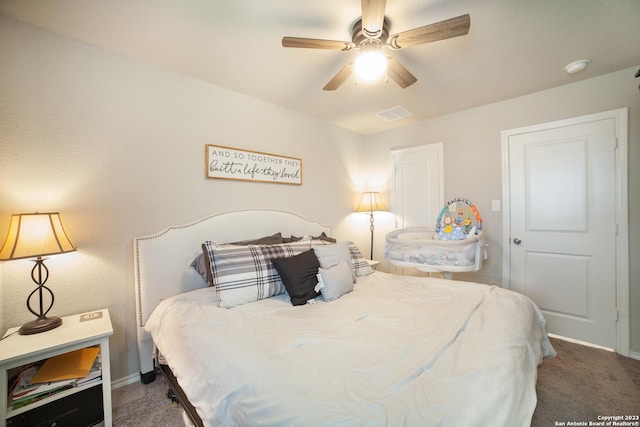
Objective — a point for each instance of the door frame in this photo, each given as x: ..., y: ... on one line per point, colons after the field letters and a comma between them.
x: 620, y: 117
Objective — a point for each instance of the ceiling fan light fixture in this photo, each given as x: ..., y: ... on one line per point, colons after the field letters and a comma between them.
x: 369, y: 34
x: 370, y: 66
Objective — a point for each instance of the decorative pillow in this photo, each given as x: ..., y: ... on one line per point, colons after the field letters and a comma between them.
x: 323, y: 236
x: 242, y: 274
x: 335, y: 281
x: 299, y: 275
x: 274, y: 239
x: 200, y: 263
x: 330, y: 255
x: 359, y: 264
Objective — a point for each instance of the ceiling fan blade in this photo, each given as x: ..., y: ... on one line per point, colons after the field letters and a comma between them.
x: 340, y: 78
x: 454, y: 27
x: 372, y: 17
x: 399, y: 74
x: 316, y: 43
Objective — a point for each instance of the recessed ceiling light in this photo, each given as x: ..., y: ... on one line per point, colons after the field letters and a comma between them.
x: 576, y: 66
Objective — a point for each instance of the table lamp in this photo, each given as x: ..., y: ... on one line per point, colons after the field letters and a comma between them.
x: 37, y: 235
x: 371, y: 201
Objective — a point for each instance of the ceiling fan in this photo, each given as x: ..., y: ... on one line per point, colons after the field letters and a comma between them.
x: 370, y: 34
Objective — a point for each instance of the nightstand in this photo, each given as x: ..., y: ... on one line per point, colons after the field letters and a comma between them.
x: 373, y: 264
x: 76, y: 332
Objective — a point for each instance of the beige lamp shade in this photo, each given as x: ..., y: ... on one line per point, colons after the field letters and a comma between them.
x: 371, y: 202
x: 35, y: 234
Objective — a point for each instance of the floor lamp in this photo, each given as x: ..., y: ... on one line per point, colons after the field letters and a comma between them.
x: 371, y: 202
x: 34, y: 235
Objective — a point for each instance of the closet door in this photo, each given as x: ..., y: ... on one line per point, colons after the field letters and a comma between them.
x: 565, y: 223
x: 418, y: 185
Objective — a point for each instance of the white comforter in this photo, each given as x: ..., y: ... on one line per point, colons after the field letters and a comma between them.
x: 397, y: 351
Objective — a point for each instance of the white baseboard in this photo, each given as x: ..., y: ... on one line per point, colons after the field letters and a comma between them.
x: 125, y: 381
x: 588, y: 344
x: 632, y: 354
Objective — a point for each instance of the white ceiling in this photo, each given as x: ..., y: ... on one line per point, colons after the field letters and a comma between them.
x: 514, y: 47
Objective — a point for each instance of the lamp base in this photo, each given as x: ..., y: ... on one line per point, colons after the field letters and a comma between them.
x: 42, y: 324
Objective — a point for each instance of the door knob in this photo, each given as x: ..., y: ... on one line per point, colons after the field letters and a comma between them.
x: 516, y: 241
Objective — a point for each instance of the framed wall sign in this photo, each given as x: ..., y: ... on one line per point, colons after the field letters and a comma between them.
x: 245, y: 165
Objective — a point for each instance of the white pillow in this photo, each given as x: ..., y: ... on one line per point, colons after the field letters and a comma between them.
x: 330, y: 255
x: 335, y: 281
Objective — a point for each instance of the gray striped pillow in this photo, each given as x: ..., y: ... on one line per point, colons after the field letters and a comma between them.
x: 242, y: 274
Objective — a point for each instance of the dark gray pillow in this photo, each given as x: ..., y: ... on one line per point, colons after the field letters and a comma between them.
x: 299, y: 275
x: 274, y: 239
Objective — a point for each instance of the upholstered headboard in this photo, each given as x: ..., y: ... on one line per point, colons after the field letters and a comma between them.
x: 162, y: 261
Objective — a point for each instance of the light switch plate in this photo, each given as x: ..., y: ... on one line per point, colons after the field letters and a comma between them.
x: 495, y: 205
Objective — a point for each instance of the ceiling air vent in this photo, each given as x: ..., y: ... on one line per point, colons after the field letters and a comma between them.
x: 394, y: 113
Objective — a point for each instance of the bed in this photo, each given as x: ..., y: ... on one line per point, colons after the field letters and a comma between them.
x: 387, y: 350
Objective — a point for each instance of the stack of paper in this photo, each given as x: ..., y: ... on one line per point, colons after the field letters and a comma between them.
x: 67, y: 366
x: 56, y: 374
x: 94, y: 374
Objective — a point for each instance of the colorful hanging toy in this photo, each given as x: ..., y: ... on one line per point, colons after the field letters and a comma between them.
x: 455, y: 223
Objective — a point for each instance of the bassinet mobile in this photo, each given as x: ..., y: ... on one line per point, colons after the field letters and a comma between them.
x: 456, y: 244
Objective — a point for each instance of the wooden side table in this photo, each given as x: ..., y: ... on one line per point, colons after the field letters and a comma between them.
x: 76, y: 332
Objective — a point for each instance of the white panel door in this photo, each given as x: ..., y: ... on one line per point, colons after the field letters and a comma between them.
x: 418, y: 185
x: 563, y: 226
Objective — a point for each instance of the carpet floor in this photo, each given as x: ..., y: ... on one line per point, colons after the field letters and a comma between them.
x: 139, y: 405
x: 579, y: 385
x: 582, y: 383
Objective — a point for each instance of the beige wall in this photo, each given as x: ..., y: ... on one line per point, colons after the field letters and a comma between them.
x: 118, y: 148
x: 473, y: 158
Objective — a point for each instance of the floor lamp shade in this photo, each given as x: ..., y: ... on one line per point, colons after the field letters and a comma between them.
x: 371, y: 202
x: 34, y: 235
